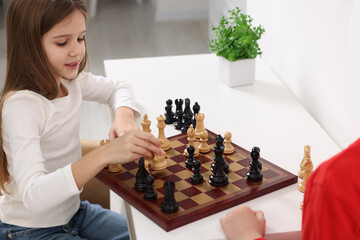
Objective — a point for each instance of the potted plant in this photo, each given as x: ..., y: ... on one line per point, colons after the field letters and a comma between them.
x: 236, y: 44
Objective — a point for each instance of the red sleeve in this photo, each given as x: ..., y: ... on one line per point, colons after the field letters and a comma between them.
x: 260, y: 239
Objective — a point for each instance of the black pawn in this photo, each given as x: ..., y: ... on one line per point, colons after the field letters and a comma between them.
x: 196, y: 178
x: 218, y: 178
x: 220, y: 144
x: 150, y: 194
x: 169, y: 114
x: 141, y: 174
x: 169, y: 205
x: 196, y: 109
x: 178, y: 114
x: 190, y: 160
x: 254, y: 175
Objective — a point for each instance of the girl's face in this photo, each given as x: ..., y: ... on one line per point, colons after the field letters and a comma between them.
x: 64, y: 46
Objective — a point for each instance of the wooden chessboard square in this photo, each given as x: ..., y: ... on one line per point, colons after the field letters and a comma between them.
x: 236, y: 156
x: 185, y: 174
x: 181, y: 149
x: 172, y: 178
x: 242, y: 172
x: 176, y: 168
x: 130, y: 182
x: 233, y: 176
x: 179, y: 158
x: 243, y: 183
x: 235, y: 166
x: 216, y: 193
x: 183, y: 184
x: 131, y: 165
x: 245, y: 162
x: 161, y: 174
x: 179, y: 196
x: 205, y: 186
x: 202, y: 198
x: 206, y: 158
x: 125, y: 176
x: 133, y: 171
x: 175, y: 144
x: 191, y: 191
x: 187, y: 203
x: 230, y: 188
x: 269, y: 174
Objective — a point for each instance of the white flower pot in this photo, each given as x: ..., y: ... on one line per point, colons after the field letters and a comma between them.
x: 239, y: 73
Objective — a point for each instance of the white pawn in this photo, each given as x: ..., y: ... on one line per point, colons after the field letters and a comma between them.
x: 159, y: 162
x: 145, y: 123
x: 229, y: 149
x: 204, y: 147
x: 192, y: 141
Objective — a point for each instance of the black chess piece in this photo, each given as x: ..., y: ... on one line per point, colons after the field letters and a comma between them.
x: 218, y: 178
x: 220, y: 144
x: 196, y: 109
x: 187, y: 109
x: 169, y: 205
x: 196, y: 178
x: 150, y: 194
x: 254, y: 174
x: 186, y: 122
x: 169, y: 114
x: 190, y: 160
x: 178, y: 114
x: 141, y: 174
x: 256, y: 151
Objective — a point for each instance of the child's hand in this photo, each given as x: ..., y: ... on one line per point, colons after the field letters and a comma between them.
x: 242, y: 223
x: 123, y: 123
x: 131, y: 146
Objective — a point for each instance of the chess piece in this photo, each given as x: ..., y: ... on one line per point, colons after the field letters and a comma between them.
x: 190, y: 160
x: 220, y: 144
x: 199, y: 124
x: 218, y: 178
x: 196, y: 178
x: 141, y: 174
x: 229, y: 149
x: 114, y: 168
x: 196, y: 109
x: 169, y: 205
x: 186, y: 122
x: 150, y: 194
x: 304, y: 161
x: 192, y: 141
x: 254, y: 175
x: 178, y: 114
x: 159, y: 162
x: 145, y: 123
x: 169, y: 114
x: 161, y: 125
x: 307, y: 170
x: 187, y: 109
x: 204, y: 147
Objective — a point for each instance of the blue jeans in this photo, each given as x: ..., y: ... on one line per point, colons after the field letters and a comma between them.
x: 91, y: 221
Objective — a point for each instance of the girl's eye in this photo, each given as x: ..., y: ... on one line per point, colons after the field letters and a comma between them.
x: 81, y: 39
x: 61, y: 43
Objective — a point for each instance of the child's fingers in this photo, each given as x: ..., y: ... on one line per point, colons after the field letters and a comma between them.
x: 149, y: 146
x: 149, y: 137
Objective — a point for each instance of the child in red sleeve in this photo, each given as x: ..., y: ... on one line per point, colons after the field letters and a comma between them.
x: 331, y: 203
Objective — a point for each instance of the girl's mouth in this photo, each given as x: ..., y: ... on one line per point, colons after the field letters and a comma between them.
x: 72, y: 65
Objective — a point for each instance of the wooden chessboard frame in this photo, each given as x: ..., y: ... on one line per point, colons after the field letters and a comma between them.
x: 274, y: 178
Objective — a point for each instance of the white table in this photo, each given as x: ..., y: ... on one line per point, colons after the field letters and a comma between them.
x: 265, y: 114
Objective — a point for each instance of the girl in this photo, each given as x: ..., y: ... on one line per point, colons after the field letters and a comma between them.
x: 41, y: 169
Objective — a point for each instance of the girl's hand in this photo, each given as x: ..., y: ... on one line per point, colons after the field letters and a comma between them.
x: 123, y: 123
x: 242, y: 223
x: 131, y: 146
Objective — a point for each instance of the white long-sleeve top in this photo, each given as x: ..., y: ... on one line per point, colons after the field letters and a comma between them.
x: 41, y: 141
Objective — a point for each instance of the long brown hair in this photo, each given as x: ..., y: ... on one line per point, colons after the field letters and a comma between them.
x: 27, y: 67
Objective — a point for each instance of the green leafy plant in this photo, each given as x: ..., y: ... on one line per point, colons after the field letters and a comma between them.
x: 236, y: 38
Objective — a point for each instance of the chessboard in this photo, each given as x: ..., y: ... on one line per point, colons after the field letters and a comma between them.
x: 201, y: 200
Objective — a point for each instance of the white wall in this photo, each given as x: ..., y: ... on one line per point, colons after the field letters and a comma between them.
x: 314, y: 47
x: 178, y: 10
